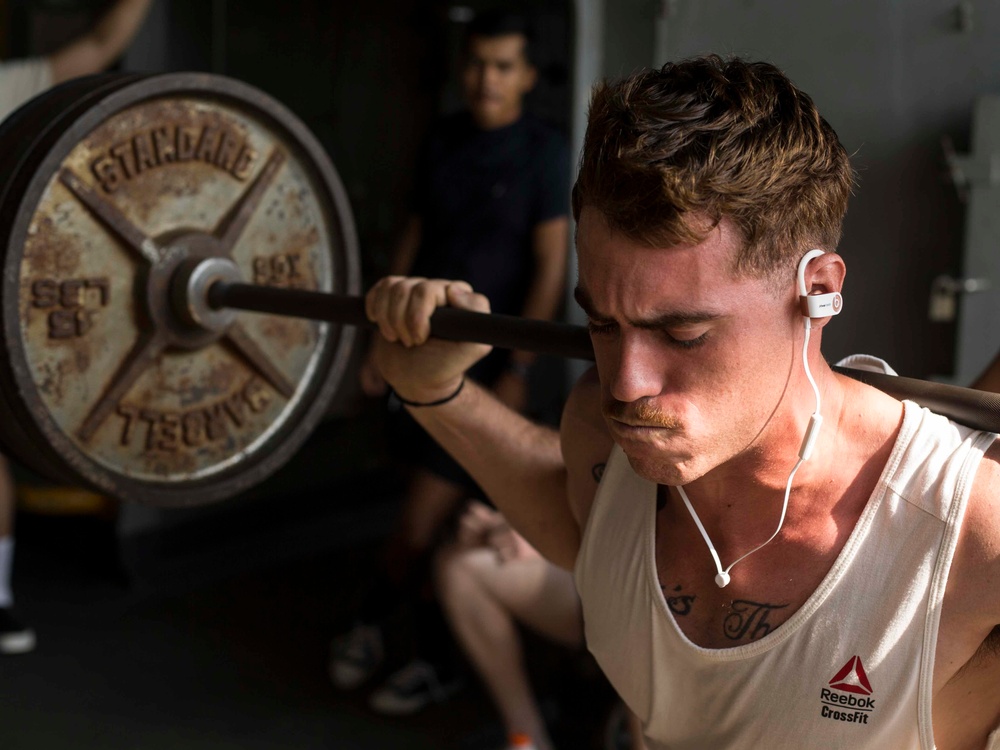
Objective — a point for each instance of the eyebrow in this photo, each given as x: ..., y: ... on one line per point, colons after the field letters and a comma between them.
x: 666, y: 320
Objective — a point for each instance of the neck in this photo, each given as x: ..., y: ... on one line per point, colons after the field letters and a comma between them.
x: 760, y: 471
x: 495, y: 123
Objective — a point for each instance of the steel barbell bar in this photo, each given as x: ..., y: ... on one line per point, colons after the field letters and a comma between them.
x: 220, y: 289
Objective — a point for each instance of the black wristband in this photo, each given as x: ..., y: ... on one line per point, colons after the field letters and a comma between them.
x: 440, y: 401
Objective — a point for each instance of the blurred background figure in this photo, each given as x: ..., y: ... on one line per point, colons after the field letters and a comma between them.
x: 21, y: 80
x: 488, y: 581
x: 491, y: 207
x: 89, y: 53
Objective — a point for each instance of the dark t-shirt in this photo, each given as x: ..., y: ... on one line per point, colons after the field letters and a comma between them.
x: 480, y: 194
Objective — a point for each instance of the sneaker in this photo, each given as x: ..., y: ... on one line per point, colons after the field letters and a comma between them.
x: 15, y: 637
x: 412, y: 688
x: 355, y: 656
x: 519, y: 741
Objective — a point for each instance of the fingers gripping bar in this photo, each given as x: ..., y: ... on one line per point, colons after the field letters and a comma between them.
x: 449, y: 323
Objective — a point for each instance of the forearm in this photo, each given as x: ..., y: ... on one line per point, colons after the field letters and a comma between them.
x: 98, y: 48
x: 548, y: 283
x: 404, y: 254
x: 545, y: 294
x: 518, y: 464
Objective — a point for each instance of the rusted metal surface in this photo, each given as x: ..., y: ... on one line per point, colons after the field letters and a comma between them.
x: 116, y: 387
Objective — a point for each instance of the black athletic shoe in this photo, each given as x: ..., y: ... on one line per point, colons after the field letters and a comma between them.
x: 413, y: 688
x: 15, y: 636
x: 356, y: 656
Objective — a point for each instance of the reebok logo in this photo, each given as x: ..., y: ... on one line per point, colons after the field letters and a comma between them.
x: 852, y: 678
x: 848, y: 697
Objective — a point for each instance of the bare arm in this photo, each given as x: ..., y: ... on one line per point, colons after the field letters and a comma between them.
x: 405, y: 252
x: 98, y: 48
x: 545, y: 294
x: 586, y: 445
x: 517, y: 462
x: 967, y: 659
x: 549, y: 243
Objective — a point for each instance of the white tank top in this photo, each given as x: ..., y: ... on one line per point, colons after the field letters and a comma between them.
x: 851, y: 669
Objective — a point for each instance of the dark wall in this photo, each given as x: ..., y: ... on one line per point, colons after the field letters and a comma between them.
x: 893, y: 79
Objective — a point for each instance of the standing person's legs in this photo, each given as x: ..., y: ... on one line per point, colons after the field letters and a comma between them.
x: 485, y: 593
x: 428, y: 503
x: 15, y: 638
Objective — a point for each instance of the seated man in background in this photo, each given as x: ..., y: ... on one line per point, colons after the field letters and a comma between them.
x: 777, y: 555
x: 489, y: 581
x: 21, y: 80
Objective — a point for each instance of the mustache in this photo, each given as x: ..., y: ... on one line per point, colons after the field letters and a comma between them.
x: 640, y: 413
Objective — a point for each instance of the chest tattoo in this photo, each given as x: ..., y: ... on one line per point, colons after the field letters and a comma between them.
x: 748, y: 619
x: 679, y: 604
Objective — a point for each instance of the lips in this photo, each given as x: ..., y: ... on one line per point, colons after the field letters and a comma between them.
x: 642, y: 431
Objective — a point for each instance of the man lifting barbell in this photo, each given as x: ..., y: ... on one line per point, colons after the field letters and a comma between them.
x: 776, y: 554
x: 129, y: 370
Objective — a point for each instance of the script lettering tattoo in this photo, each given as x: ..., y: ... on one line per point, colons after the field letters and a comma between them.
x: 597, y: 471
x: 750, y: 618
x: 680, y: 605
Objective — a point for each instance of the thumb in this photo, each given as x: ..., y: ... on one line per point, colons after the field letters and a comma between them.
x: 460, y: 294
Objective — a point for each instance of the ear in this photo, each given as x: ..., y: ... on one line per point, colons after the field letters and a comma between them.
x: 530, y: 79
x: 821, y: 276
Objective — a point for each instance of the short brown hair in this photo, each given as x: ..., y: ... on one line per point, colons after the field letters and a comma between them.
x: 720, y: 138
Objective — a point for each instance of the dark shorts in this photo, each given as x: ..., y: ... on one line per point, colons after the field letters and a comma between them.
x: 410, y: 444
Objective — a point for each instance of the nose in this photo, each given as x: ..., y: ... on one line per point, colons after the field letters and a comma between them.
x: 490, y: 75
x: 636, y: 368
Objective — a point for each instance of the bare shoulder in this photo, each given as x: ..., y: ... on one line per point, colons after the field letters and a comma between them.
x: 977, y: 561
x: 586, y: 444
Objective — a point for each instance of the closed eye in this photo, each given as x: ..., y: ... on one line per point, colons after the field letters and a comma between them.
x: 679, y: 338
x: 597, y: 328
x: 687, y: 343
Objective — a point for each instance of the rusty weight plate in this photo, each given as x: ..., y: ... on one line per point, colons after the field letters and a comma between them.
x: 108, y: 385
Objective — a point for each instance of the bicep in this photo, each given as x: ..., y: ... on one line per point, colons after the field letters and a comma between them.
x: 974, y: 581
x: 586, y: 445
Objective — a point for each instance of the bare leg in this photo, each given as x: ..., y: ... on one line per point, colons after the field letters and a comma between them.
x: 428, y: 503
x: 484, y: 597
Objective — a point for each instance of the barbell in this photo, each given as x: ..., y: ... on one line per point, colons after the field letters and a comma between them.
x: 134, y: 212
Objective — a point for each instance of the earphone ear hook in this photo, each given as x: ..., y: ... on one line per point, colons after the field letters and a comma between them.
x: 816, y: 305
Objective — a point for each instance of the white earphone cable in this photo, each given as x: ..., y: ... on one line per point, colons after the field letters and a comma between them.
x: 722, y: 579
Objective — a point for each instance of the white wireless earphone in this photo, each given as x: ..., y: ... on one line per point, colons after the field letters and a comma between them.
x: 816, y: 305
x: 812, y: 306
